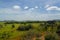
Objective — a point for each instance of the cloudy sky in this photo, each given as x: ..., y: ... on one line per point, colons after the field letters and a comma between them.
x: 22, y: 10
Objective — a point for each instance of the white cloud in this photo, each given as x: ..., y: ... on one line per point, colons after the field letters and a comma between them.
x: 47, y: 6
x: 26, y: 7
x: 16, y: 7
x: 31, y: 9
x: 24, y: 15
x: 36, y: 6
x: 53, y: 8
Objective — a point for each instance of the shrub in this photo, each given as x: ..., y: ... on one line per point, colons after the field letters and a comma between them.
x: 5, y: 36
x: 1, y: 26
x: 13, y: 26
x: 52, y: 36
x: 24, y: 28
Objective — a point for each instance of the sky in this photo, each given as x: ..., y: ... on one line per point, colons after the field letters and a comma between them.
x: 23, y: 10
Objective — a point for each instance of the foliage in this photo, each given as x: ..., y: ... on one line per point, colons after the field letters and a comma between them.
x: 29, y: 30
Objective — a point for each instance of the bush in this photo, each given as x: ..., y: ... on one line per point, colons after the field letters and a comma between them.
x: 13, y: 26
x: 1, y: 26
x: 52, y: 36
x: 29, y: 35
x: 5, y: 35
x: 24, y: 28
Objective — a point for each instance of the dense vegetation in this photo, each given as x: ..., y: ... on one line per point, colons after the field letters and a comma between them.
x: 30, y: 30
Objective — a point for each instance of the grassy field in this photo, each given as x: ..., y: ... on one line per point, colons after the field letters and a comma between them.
x: 30, y: 30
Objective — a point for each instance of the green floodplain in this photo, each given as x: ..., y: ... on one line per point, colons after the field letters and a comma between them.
x: 30, y: 30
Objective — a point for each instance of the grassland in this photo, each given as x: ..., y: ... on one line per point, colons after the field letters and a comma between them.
x: 30, y: 30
